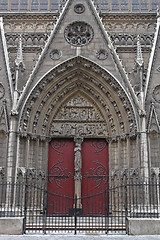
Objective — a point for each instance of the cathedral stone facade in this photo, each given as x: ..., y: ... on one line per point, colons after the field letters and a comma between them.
x: 79, y: 70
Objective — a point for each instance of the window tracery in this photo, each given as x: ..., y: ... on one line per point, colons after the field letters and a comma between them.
x: 78, y: 34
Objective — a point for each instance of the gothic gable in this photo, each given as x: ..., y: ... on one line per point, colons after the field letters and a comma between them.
x: 6, y: 88
x: 78, y: 32
x: 153, y: 124
x: 152, y: 90
x: 4, y: 118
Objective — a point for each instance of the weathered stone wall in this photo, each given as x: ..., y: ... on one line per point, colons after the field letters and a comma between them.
x: 123, y: 30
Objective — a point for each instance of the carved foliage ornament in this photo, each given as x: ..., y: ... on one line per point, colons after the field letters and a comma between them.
x: 102, y: 54
x: 55, y: 54
x: 78, y: 34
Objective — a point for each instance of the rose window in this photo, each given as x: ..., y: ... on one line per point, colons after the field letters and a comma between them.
x: 78, y: 34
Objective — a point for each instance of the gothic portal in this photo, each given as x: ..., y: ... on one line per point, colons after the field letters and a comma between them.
x: 79, y: 92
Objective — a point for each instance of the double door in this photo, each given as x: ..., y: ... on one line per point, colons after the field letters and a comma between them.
x: 92, y: 182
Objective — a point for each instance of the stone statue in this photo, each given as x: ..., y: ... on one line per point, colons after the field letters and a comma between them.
x: 78, y: 161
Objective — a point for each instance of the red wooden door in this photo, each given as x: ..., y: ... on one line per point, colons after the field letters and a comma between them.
x: 95, y: 170
x: 60, y: 176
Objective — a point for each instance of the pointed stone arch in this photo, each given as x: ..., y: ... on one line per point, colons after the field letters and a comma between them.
x: 4, y: 129
x: 78, y: 76
x: 153, y: 137
x: 153, y: 123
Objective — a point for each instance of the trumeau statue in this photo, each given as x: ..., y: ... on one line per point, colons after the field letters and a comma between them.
x: 78, y: 161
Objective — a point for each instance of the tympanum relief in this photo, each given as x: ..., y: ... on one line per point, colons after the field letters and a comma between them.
x: 78, y: 117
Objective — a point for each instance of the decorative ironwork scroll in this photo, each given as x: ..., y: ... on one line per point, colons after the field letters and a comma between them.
x: 99, y: 146
x: 57, y: 146
x: 99, y: 174
x: 57, y: 173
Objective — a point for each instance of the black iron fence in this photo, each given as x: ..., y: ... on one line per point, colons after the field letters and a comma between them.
x: 103, y: 212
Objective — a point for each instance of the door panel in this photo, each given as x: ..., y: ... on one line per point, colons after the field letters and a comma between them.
x: 60, y: 176
x: 95, y: 170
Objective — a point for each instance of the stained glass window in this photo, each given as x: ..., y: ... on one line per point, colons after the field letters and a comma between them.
x: 115, y: 5
x: 124, y: 5
x: 3, y: 5
x: 135, y: 5
x: 54, y: 5
x: 155, y: 4
x: 23, y: 5
x: 104, y: 5
x: 34, y: 5
x: 43, y: 5
x: 14, y: 5
x: 144, y: 5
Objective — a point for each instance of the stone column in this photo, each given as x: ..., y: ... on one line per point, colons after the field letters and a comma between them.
x: 144, y: 149
x: 119, y: 163
x: 11, y: 160
x: 78, y: 165
x: 12, y: 142
x: 17, y: 156
x: 127, y: 163
x: 27, y: 152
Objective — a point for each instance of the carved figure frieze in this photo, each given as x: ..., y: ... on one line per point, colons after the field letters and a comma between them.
x: 78, y: 34
x: 79, y: 114
x: 79, y: 109
x: 78, y: 117
x: 80, y: 129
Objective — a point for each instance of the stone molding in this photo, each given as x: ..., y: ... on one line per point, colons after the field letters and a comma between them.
x: 69, y: 84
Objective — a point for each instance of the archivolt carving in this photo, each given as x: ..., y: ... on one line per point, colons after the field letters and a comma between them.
x: 78, y: 97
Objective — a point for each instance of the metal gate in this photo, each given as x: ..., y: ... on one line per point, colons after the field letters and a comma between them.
x: 104, y: 212
x: 76, y: 196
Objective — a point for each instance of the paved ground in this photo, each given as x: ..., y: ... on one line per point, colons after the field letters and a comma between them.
x: 78, y: 237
